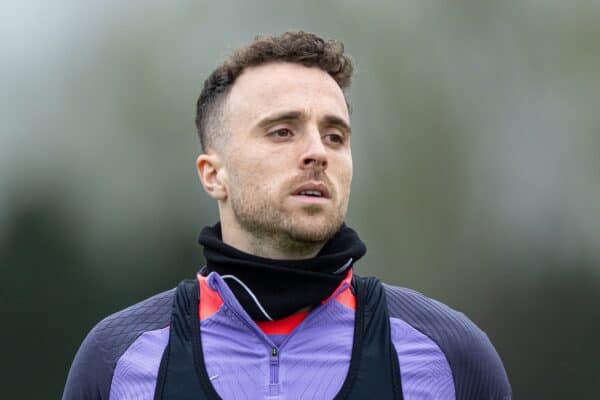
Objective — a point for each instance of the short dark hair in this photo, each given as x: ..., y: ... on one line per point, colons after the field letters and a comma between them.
x: 295, y: 46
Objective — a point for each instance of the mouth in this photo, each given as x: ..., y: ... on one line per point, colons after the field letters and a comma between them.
x: 312, y: 192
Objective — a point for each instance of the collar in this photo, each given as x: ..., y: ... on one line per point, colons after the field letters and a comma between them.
x: 272, y: 289
x: 214, y: 292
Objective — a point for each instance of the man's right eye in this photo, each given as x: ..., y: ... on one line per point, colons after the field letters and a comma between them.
x: 283, y: 133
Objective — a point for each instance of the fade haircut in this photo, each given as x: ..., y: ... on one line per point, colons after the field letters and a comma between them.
x: 295, y: 46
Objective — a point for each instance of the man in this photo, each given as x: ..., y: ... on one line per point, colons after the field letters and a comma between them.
x: 276, y: 313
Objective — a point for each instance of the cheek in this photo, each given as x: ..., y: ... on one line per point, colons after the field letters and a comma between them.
x: 351, y: 170
x: 253, y: 174
x: 345, y: 169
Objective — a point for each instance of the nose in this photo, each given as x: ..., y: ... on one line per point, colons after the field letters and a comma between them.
x: 315, y: 153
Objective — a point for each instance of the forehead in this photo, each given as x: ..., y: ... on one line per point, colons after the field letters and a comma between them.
x: 265, y: 89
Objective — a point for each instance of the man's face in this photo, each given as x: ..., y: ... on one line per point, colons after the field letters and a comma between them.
x: 287, y: 163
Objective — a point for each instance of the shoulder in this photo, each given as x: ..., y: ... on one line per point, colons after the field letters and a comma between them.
x: 476, y: 368
x: 92, y: 369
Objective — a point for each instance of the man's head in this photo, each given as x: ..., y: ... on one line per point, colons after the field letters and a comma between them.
x: 274, y: 127
x: 295, y: 47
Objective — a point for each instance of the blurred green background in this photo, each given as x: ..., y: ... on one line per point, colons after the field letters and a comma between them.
x: 476, y: 150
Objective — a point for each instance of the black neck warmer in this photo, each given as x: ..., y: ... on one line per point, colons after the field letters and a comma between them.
x: 282, y: 287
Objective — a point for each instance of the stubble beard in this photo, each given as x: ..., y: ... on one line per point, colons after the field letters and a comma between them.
x: 264, y: 218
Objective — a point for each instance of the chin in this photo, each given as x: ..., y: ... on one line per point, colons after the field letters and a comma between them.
x: 314, y: 229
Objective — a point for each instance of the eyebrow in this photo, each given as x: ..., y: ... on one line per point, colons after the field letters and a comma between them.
x: 299, y: 116
x: 339, y: 122
x: 280, y: 117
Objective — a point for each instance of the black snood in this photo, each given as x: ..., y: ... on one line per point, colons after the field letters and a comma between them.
x: 281, y: 286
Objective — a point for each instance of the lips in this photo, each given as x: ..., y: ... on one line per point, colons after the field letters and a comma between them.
x: 312, y: 189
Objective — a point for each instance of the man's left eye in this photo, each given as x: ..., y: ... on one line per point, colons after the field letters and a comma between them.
x: 335, y: 138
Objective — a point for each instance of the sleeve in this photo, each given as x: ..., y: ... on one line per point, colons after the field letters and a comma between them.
x: 477, y: 369
x: 89, y: 376
x: 91, y: 373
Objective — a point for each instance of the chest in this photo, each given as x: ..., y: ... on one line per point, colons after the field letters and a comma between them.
x: 335, y: 352
x: 311, y: 361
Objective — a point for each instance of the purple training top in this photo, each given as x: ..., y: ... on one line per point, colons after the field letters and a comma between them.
x: 442, y: 354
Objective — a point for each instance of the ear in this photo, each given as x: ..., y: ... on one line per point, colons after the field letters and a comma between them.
x: 212, y: 175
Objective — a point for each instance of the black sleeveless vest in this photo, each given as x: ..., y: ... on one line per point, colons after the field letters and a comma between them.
x: 374, y: 372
